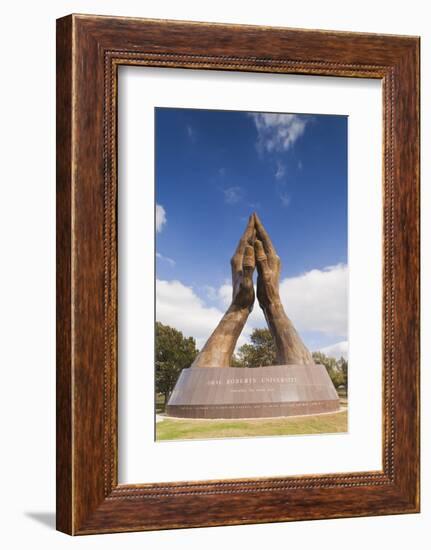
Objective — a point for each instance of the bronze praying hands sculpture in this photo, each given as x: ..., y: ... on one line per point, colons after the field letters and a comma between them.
x: 254, y: 249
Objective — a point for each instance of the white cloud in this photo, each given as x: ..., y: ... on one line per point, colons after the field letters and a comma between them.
x: 233, y: 195
x: 166, y: 259
x: 160, y: 217
x: 178, y: 306
x: 317, y: 300
x: 211, y: 292
x: 225, y: 294
x: 278, y: 132
x: 340, y: 349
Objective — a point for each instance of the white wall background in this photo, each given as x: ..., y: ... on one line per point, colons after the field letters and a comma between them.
x: 27, y: 280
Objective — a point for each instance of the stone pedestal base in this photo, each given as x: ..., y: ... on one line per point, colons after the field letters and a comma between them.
x: 281, y: 390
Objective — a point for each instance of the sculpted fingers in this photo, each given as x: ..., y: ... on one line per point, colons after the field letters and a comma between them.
x: 243, y: 290
x: 264, y: 237
x: 253, y: 236
x: 267, y: 284
x: 249, y: 259
x: 261, y: 234
x: 248, y: 266
x: 261, y: 259
x: 246, y: 238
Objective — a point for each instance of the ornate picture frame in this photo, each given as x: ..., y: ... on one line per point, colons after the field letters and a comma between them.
x: 89, y: 51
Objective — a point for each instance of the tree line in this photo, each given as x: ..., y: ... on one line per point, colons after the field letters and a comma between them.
x: 174, y: 352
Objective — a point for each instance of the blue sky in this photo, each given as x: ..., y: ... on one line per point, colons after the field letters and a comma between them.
x: 213, y: 168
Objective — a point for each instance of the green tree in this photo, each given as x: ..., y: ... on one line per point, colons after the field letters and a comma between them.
x: 236, y: 362
x: 259, y: 353
x: 174, y: 352
x: 337, y: 370
x: 329, y: 362
x: 342, y: 366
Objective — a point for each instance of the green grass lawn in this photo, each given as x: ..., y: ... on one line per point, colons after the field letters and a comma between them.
x: 172, y: 428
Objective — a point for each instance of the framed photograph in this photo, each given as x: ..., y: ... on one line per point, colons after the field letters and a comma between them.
x: 237, y: 274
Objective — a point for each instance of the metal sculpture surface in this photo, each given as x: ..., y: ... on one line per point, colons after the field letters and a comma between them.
x: 255, y: 248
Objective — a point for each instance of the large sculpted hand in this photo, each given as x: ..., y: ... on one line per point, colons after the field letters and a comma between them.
x: 268, y: 267
x: 289, y: 346
x: 218, y: 350
x: 243, y: 264
x: 254, y: 247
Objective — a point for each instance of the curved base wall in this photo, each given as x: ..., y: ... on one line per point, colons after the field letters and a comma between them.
x: 281, y: 390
